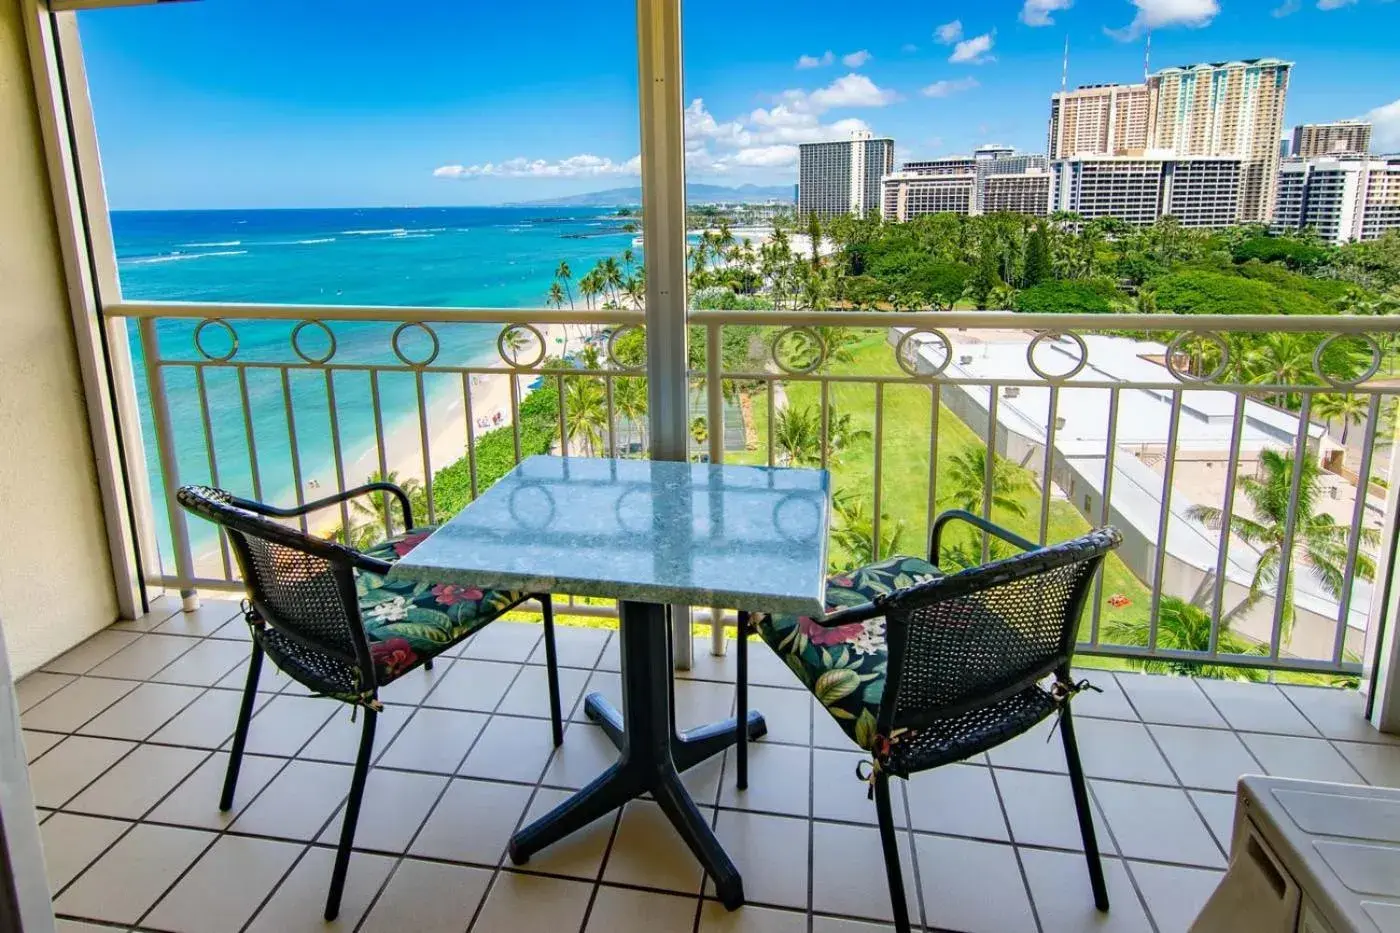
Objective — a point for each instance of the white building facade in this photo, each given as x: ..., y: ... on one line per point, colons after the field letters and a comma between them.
x: 1342, y: 199
x: 1202, y: 192
x: 836, y: 178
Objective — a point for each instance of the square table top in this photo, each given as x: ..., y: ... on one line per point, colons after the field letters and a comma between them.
x: 734, y: 537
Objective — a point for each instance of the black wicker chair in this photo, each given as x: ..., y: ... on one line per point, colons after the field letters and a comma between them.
x: 923, y: 668
x: 330, y: 620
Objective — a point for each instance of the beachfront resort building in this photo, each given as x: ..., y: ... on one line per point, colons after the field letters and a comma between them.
x: 1140, y: 457
x: 1341, y: 198
x: 1099, y: 119
x: 1344, y: 137
x: 843, y: 177
x: 1201, y: 192
x: 1215, y: 110
x: 992, y: 179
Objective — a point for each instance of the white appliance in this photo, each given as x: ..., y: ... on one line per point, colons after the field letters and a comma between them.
x: 1309, y: 857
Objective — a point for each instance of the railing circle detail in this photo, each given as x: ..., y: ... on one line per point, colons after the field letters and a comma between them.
x: 199, y: 340
x: 1067, y: 374
x: 810, y: 334
x: 307, y: 357
x: 432, y: 335
x: 903, y: 345
x: 612, y: 349
x: 1367, y: 373
x: 1175, y: 347
x: 503, y: 342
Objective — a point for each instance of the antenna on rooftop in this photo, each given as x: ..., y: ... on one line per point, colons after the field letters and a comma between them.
x: 1147, y: 57
x: 1064, y: 70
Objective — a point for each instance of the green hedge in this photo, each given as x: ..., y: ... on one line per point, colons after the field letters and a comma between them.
x: 495, y: 452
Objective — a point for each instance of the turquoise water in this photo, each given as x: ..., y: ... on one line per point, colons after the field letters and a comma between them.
x: 434, y: 257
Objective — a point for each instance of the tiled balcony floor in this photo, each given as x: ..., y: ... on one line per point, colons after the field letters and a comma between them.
x: 123, y: 733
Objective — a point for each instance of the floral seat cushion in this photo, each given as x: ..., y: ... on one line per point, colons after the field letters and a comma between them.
x: 408, y: 622
x: 845, y: 666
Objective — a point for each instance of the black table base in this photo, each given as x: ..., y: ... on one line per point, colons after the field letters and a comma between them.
x: 653, y: 754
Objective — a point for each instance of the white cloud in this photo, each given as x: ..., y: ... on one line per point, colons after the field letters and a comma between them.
x: 1386, y: 129
x: 909, y: 47
x: 975, y: 51
x: 853, y: 90
x: 1286, y: 8
x: 584, y: 165
x: 949, y: 88
x: 816, y: 61
x: 1037, y: 12
x: 1160, y: 14
x: 1334, y: 4
x: 949, y: 33
x: 767, y: 156
x: 856, y: 59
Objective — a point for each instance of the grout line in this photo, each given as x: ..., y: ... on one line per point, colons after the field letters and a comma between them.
x: 1016, y: 850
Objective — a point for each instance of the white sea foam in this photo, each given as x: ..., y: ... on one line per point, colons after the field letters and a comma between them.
x: 177, y: 257
x: 326, y: 239
x: 215, y: 243
x: 391, y: 230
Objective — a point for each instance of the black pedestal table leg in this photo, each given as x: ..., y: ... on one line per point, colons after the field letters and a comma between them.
x: 647, y: 763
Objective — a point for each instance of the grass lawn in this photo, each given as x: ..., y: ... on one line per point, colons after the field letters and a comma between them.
x: 905, y: 473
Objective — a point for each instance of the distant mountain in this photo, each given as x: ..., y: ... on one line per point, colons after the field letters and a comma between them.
x: 696, y: 193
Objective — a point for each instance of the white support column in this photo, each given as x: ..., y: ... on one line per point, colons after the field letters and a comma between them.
x: 90, y: 268
x: 1380, y: 679
x: 660, y: 97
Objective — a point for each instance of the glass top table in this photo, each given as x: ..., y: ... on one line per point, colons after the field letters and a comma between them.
x: 649, y: 534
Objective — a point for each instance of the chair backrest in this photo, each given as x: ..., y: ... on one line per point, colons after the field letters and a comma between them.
x: 961, y: 641
x: 300, y: 585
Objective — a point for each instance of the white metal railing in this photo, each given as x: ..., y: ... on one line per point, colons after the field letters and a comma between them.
x: 1073, y: 413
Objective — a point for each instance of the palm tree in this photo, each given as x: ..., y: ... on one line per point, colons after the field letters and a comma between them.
x: 841, y: 434
x: 564, y: 274
x: 797, y: 435
x: 1349, y: 409
x: 586, y: 412
x: 1281, y: 359
x: 630, y: 402
x: 556, y: 296
x: 967, y: 474
x: 1319, y: 543
x: 373, y: 506
x: 590, y: 287
x: 854, y: 531
x: 1182, y: 626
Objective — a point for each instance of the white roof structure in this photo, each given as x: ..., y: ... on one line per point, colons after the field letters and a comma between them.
x: 1143, y: 423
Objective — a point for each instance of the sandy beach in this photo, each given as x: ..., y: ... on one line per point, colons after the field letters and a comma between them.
x: 446, y: 419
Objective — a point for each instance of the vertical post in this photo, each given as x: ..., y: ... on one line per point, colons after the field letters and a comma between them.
x: 714, y: 391
x: 659, y: 94
x: 1380, y: 679
x: 89, y: 262
x: 169, y: 463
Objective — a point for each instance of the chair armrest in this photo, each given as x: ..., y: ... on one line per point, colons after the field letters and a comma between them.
x: 849, y: 614
x: 334, y: 499
x: 371, y: 564
x: 977, y: 521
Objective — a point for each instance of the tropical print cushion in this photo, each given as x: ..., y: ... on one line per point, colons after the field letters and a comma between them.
x: 408, y: 622
x: 844, y: 666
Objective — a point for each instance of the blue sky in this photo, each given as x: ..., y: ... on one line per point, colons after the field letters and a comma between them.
x: 253, y: 103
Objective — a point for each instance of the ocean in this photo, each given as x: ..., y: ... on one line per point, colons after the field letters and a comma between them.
x: 431, y: 257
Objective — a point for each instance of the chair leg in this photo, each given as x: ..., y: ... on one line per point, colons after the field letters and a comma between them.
x: 240, y: 733
x: 1081, y: 805
x: 741, y: 718
x: 428, y: 664
x: 352, y: 815
x: 551, y: 660
x: 889, y: 841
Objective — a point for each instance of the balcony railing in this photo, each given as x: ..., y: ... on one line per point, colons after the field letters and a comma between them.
x: 1253, y: 533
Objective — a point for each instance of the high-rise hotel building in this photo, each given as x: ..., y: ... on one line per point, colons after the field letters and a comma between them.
x: 1344, y: 137
x: 1201, y: 192
x: 991, y: 179
x: 1342, y: 198
x: 843, y: 177
x: 1100, y: 119
x: 1229, y: 109
x: 1210, y: 128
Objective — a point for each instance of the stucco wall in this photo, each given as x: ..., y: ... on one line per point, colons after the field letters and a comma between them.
x: 55, y: 574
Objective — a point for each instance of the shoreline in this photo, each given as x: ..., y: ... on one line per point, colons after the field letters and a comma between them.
x: 446, y: 420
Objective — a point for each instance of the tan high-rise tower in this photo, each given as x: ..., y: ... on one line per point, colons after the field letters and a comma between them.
x: 1100, y: 119
x: 1226, y: 109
